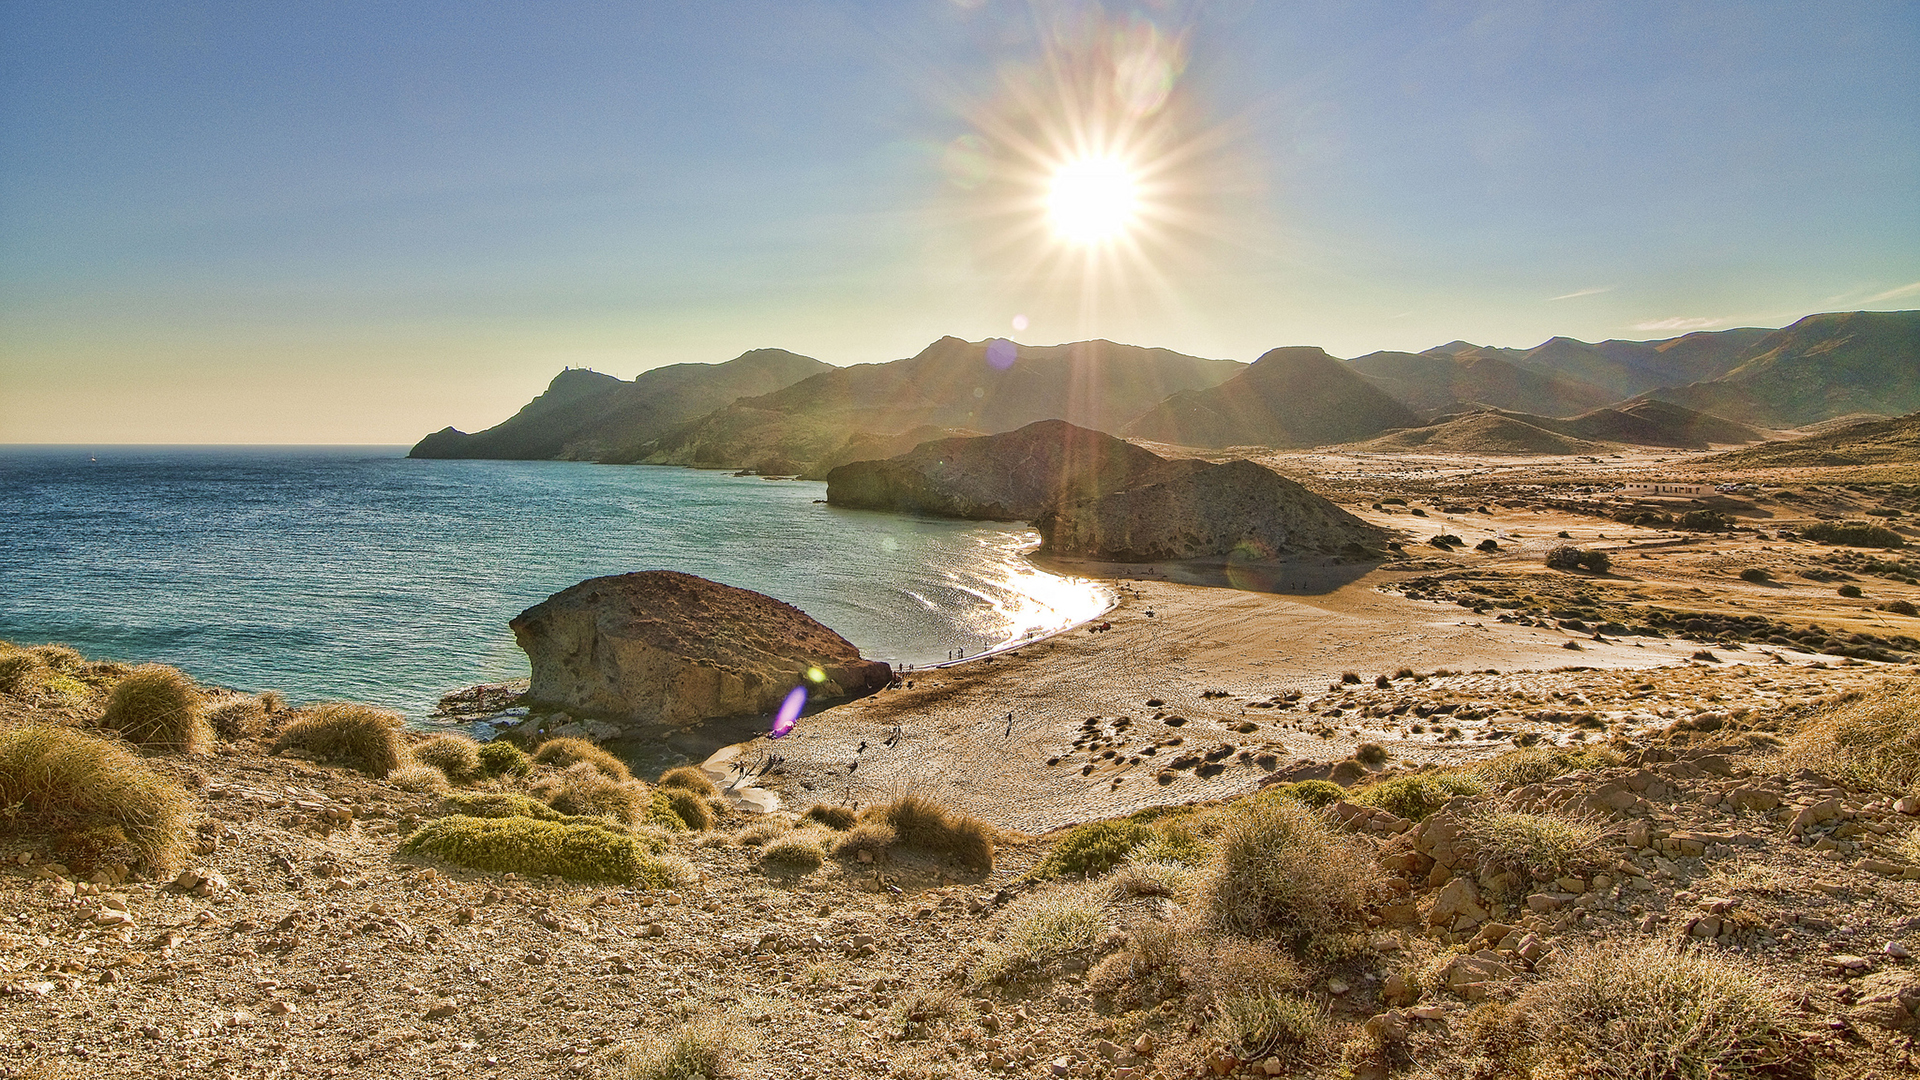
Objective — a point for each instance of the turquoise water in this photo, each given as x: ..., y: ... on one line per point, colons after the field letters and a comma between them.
x: 357, y: 573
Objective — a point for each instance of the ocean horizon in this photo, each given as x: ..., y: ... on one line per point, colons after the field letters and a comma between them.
x: 353, y: 572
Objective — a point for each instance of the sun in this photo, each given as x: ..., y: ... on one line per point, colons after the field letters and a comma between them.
x: 1092, y: 200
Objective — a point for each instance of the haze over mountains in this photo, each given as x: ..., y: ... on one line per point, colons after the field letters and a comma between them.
x: 776, y: 412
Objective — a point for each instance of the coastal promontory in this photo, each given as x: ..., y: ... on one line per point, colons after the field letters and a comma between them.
x: 661, y: 647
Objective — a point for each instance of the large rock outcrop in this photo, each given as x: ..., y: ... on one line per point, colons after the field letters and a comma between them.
x: 660, y: 647
x: 1014, y: 476
x: 1194, y: 510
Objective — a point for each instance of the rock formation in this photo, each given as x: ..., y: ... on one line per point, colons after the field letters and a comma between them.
x: 1015, y: 476
x: 660, y: 647
x: 1196, y: 510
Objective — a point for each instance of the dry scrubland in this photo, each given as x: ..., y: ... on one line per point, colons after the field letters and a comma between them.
x: 1623, y: 859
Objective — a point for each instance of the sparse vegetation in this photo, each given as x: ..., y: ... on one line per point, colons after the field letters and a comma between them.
x: 1542, y: 846
x: 157, y: 707
x: 797, y: 850
x: 584, y: 851
x: 1262, y: 1024
x: 564, y: 753
x: 1046, y: 926
x: 457, y: 756
x: 870, y: 836
x: 237, y: 718
x: 919, y: 822
x: 689, y: 807
x: 705, y: 1048
x: 1872, y: 742
x: 1414, y: 797
x: 1853, y: 534
x: 1279, y: 872
x: 584, y: 790
x: 360, y: 736
x: 1568, y: 557
x: 66, y: 780
x: 837, y: 818
x: 688, y: 778
x: 1518, y: 768
x: 500, y: 804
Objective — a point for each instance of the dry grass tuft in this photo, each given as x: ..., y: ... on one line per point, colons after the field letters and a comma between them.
x: 69, y: 780
x: 360, y: 736
x: 584, y: 790
x: 689, y: 807
x: 1414, y: 797
x: 500, y: 758
x: 1044, y: 927
x: 157, y: 707
x: 579, y: 850
x: 1873, y: 741
x: 564, y: 753
x: 921, y: 823
x: 453, y: 754
x: 1654, y: 1013
x: 1518, y: 768
x: 1149, y: 877
x: 688, y: 778
x: 837, y: 818
x: 1261, y: 1025
x: 1543, y: 846
x: 872, y: 837
x: 238, y: 718
x: 1280, y: 872
x: 21, y: 672
x: 760, y: 832
x: 419, y: 777
x: 797, y: 850
x: 705, y: 1048
x: 1371, y: 754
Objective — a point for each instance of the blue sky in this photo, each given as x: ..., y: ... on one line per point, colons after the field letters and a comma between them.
x: 346, y: 222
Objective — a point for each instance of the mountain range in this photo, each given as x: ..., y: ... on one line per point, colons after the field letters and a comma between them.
x: 778, y: 412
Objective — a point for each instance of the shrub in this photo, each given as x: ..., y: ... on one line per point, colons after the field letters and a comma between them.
x: 361, y: 736
x: 689, y: 807
x: 874, y: 837
x: 1851, y: 592
x: 798, y: 850
x: 1900, y: 607
x: 1704, y: 521
x: 21, y: 672
x: 660, y: 812
x: 1655, y: 1013
x: 919, y: 822
x: 504, y: 759
x: 1228, y: 965
x: 64, y: 659
x: 1540, y: 845
x: 1093, y: 848
x: 1414, y: 797
x: 1518, y: 768
x: 158, y: 707
x: 496, y: 804
x: 705, y: 1048
x: 1314, y: 793
x: 1279, y: 872
x: 1853, y: 534
x: 69, y: 780
x: 586, y: 791
x: 1872, y: 741
x: 1568, y: 557
x: 688, y: 778
x: 1041, y: 928
x: 564, y: 753
x: 1350, y: 677
x: 1755, y: 574
x: 1371, y: 754
x: 580, y: 850
x: 418, y: 777
x: 1149, y: 877
x: 455, y: 755
x: 238, y: 718
x: 837, y: 818
x: 1266, y: 1025
x: 763, y: 830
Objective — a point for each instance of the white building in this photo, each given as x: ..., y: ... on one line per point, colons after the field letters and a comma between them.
x: 1690, y: 490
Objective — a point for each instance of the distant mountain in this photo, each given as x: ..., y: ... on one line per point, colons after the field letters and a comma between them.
x: 1012, y: 476
x: 1820, y: 367
x: 586, y: 416
x: 1437, y: 382
x: 1289, y: 398
x: 1498, y: 431
x: 959, y: 386
x: 1486, y: 432
x: 1872, y: 442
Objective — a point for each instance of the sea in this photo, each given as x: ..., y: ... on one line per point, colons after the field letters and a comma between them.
x: 356, y: 573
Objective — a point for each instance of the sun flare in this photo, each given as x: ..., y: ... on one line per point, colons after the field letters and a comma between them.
x: 1092, y: 200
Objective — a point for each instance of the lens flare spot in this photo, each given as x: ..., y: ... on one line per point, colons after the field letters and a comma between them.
x: 816, y: 675
x: 1019, y: 323
x: 789, y: 712
x: 1092, y: 199
x: 1001, y: 354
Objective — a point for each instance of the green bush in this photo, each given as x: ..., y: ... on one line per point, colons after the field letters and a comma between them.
x: 799, y: 850
x: 689, y: 807
x: 65, y: 779
x: 1280, y: 872
x: 1414, y: 797
x: 582, y: 851
x: 660, y: 812
x: 1315, y: 793
x: 455, y: 755
x: 1093, y: 848
x: 361, y: 736
x: 1853, y: 534
x: 583, y: 790
x: 501, y: 805
x: 564, y: 753
x: 504, y: 759
x: 688, y: 778
x: 158, y: 708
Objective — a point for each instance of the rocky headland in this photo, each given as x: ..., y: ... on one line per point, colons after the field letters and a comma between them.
x: 665, y: 648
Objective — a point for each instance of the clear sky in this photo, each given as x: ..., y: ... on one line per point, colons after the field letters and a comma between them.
x: 358, y: 222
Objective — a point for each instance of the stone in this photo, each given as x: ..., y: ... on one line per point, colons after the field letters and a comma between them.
x: 662, y: 647
x: 1908, y: 804
x: 1456, y: 899
x: 1753, y: 798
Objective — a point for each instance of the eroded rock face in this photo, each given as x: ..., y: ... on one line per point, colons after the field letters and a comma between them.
x: 660, y: 647
x: 1206, y: 510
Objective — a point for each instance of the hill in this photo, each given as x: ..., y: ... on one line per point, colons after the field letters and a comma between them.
x: 1872, y: 442
x: 1486, y: 432
x: 840, y: 414
x: 1820, y: 367
x: 1434, y: 383
x: 1289, y: 398
x: 1012, y: 476
x: 585, y: 415
x: 1498, y: 431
